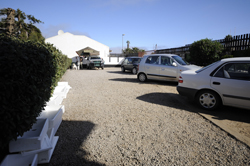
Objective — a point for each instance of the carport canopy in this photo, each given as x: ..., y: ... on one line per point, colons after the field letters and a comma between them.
x: 87, y: 51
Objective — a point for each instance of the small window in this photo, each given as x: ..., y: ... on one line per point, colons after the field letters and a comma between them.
x: 152, y: 60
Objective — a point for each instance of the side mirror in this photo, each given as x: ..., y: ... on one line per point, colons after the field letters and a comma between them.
x: 174, y: 64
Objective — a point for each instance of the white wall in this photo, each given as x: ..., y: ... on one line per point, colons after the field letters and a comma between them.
x: 69, y: 44
x: 113, y: 60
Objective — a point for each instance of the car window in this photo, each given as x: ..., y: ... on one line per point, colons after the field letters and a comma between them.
x: 180, y: 60
x: 239, y: 71
x: 130, y: 60
x: 125, y: 61
x: 95, y: 58
x: 166, y: 61
x: 206, y: 67
x: 136, y: 60
x: 152, y: 60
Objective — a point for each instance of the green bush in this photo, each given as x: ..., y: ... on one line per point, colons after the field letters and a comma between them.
x: 227, y: 56
x: 242, y: 53
x: 27, y: 71
x: 205, y: 51
x: 61, y: 63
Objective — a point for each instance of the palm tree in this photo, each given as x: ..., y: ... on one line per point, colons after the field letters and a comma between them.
x: 128, y: 42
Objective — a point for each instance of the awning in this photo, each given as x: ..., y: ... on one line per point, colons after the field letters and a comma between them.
x: 87, y: 51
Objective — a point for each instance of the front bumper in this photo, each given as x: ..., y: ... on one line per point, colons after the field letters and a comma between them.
x: 188, y: 92
x: 96, y: 64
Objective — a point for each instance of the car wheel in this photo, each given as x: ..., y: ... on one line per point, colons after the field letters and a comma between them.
x: 134, y: 70
x: 123, y: 69
x: 142, y: 77
x: 208, y: 100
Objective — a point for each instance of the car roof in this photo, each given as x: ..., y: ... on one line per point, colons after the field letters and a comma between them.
x: 161, y: 55
x: 236, y: 59
x: 133, y: 57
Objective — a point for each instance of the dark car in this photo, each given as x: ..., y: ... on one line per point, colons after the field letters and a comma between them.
x: 131, y: 64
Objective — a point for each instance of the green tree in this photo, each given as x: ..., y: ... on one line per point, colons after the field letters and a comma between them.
x: 205, y: 51
x: 134, y: 50
x: 227, y: 51
x: 21, y: 29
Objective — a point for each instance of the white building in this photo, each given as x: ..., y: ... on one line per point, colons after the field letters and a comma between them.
x: 78, y: 45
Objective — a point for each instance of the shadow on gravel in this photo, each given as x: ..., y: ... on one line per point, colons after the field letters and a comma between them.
x: 120, y: 72
x: 180, y: 102
x: 155, y: 82
x: 72, y: 135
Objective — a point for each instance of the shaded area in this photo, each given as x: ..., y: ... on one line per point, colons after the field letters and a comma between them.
x: 154, y: 82
x: 127, y: 72
x: 72, y: 144
x: 180, y: 102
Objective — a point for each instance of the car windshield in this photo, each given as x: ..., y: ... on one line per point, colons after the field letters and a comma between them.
x: 95, y: 58
x: 206, y: 67
x: 180, y: 60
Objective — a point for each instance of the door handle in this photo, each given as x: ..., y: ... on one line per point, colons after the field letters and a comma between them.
x: 216, y: 83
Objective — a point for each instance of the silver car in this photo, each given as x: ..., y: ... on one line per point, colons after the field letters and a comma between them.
x: 165, y: 67
x: 224, y: 82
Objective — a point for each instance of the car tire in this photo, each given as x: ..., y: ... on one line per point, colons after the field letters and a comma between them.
x: 208, y: 100
x: 134, y: 70
x: 122, y: 69
x: 142, y: 77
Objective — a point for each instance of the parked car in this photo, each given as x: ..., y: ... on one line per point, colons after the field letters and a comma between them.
x: 94, y: 61
x: 224, y: 82
x: 131, y: 64
x: 163, y: 67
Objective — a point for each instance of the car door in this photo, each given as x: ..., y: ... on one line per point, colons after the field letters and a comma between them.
x: 167, y: 70
x: 124, y: 64
x: 151, y: 67
x: 233, y: 82
x: 129, y: 64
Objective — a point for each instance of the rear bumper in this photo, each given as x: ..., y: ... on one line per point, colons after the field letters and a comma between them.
x: 188, y: 92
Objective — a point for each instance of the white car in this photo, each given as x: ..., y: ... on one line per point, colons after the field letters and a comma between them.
x: 165, y: 67
x: 94, y: 61
x: 224, y: 82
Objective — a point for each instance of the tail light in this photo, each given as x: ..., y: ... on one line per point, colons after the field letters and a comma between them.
x: 180, y: 80
x: 138, y: 67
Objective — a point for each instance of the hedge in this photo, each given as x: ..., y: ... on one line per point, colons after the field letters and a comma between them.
x: 29, y: 71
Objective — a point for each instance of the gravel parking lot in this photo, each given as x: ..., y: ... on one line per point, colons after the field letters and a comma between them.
x: 112, y: 119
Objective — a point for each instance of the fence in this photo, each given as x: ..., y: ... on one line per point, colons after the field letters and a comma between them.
x: 236, y: 43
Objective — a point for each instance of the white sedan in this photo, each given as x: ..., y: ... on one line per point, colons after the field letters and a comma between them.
x: 224, y: 82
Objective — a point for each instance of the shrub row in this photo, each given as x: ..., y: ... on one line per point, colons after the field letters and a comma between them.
x: 29, y: 71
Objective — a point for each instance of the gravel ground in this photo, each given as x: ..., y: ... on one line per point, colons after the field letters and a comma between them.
x: 112, y: 119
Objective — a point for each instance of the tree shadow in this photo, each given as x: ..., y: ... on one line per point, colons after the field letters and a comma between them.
x: 180, y: 102
x: 68, y: 149
x: 135, y: 80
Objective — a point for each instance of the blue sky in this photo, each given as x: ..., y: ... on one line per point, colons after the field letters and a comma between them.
x: 145, y: 23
